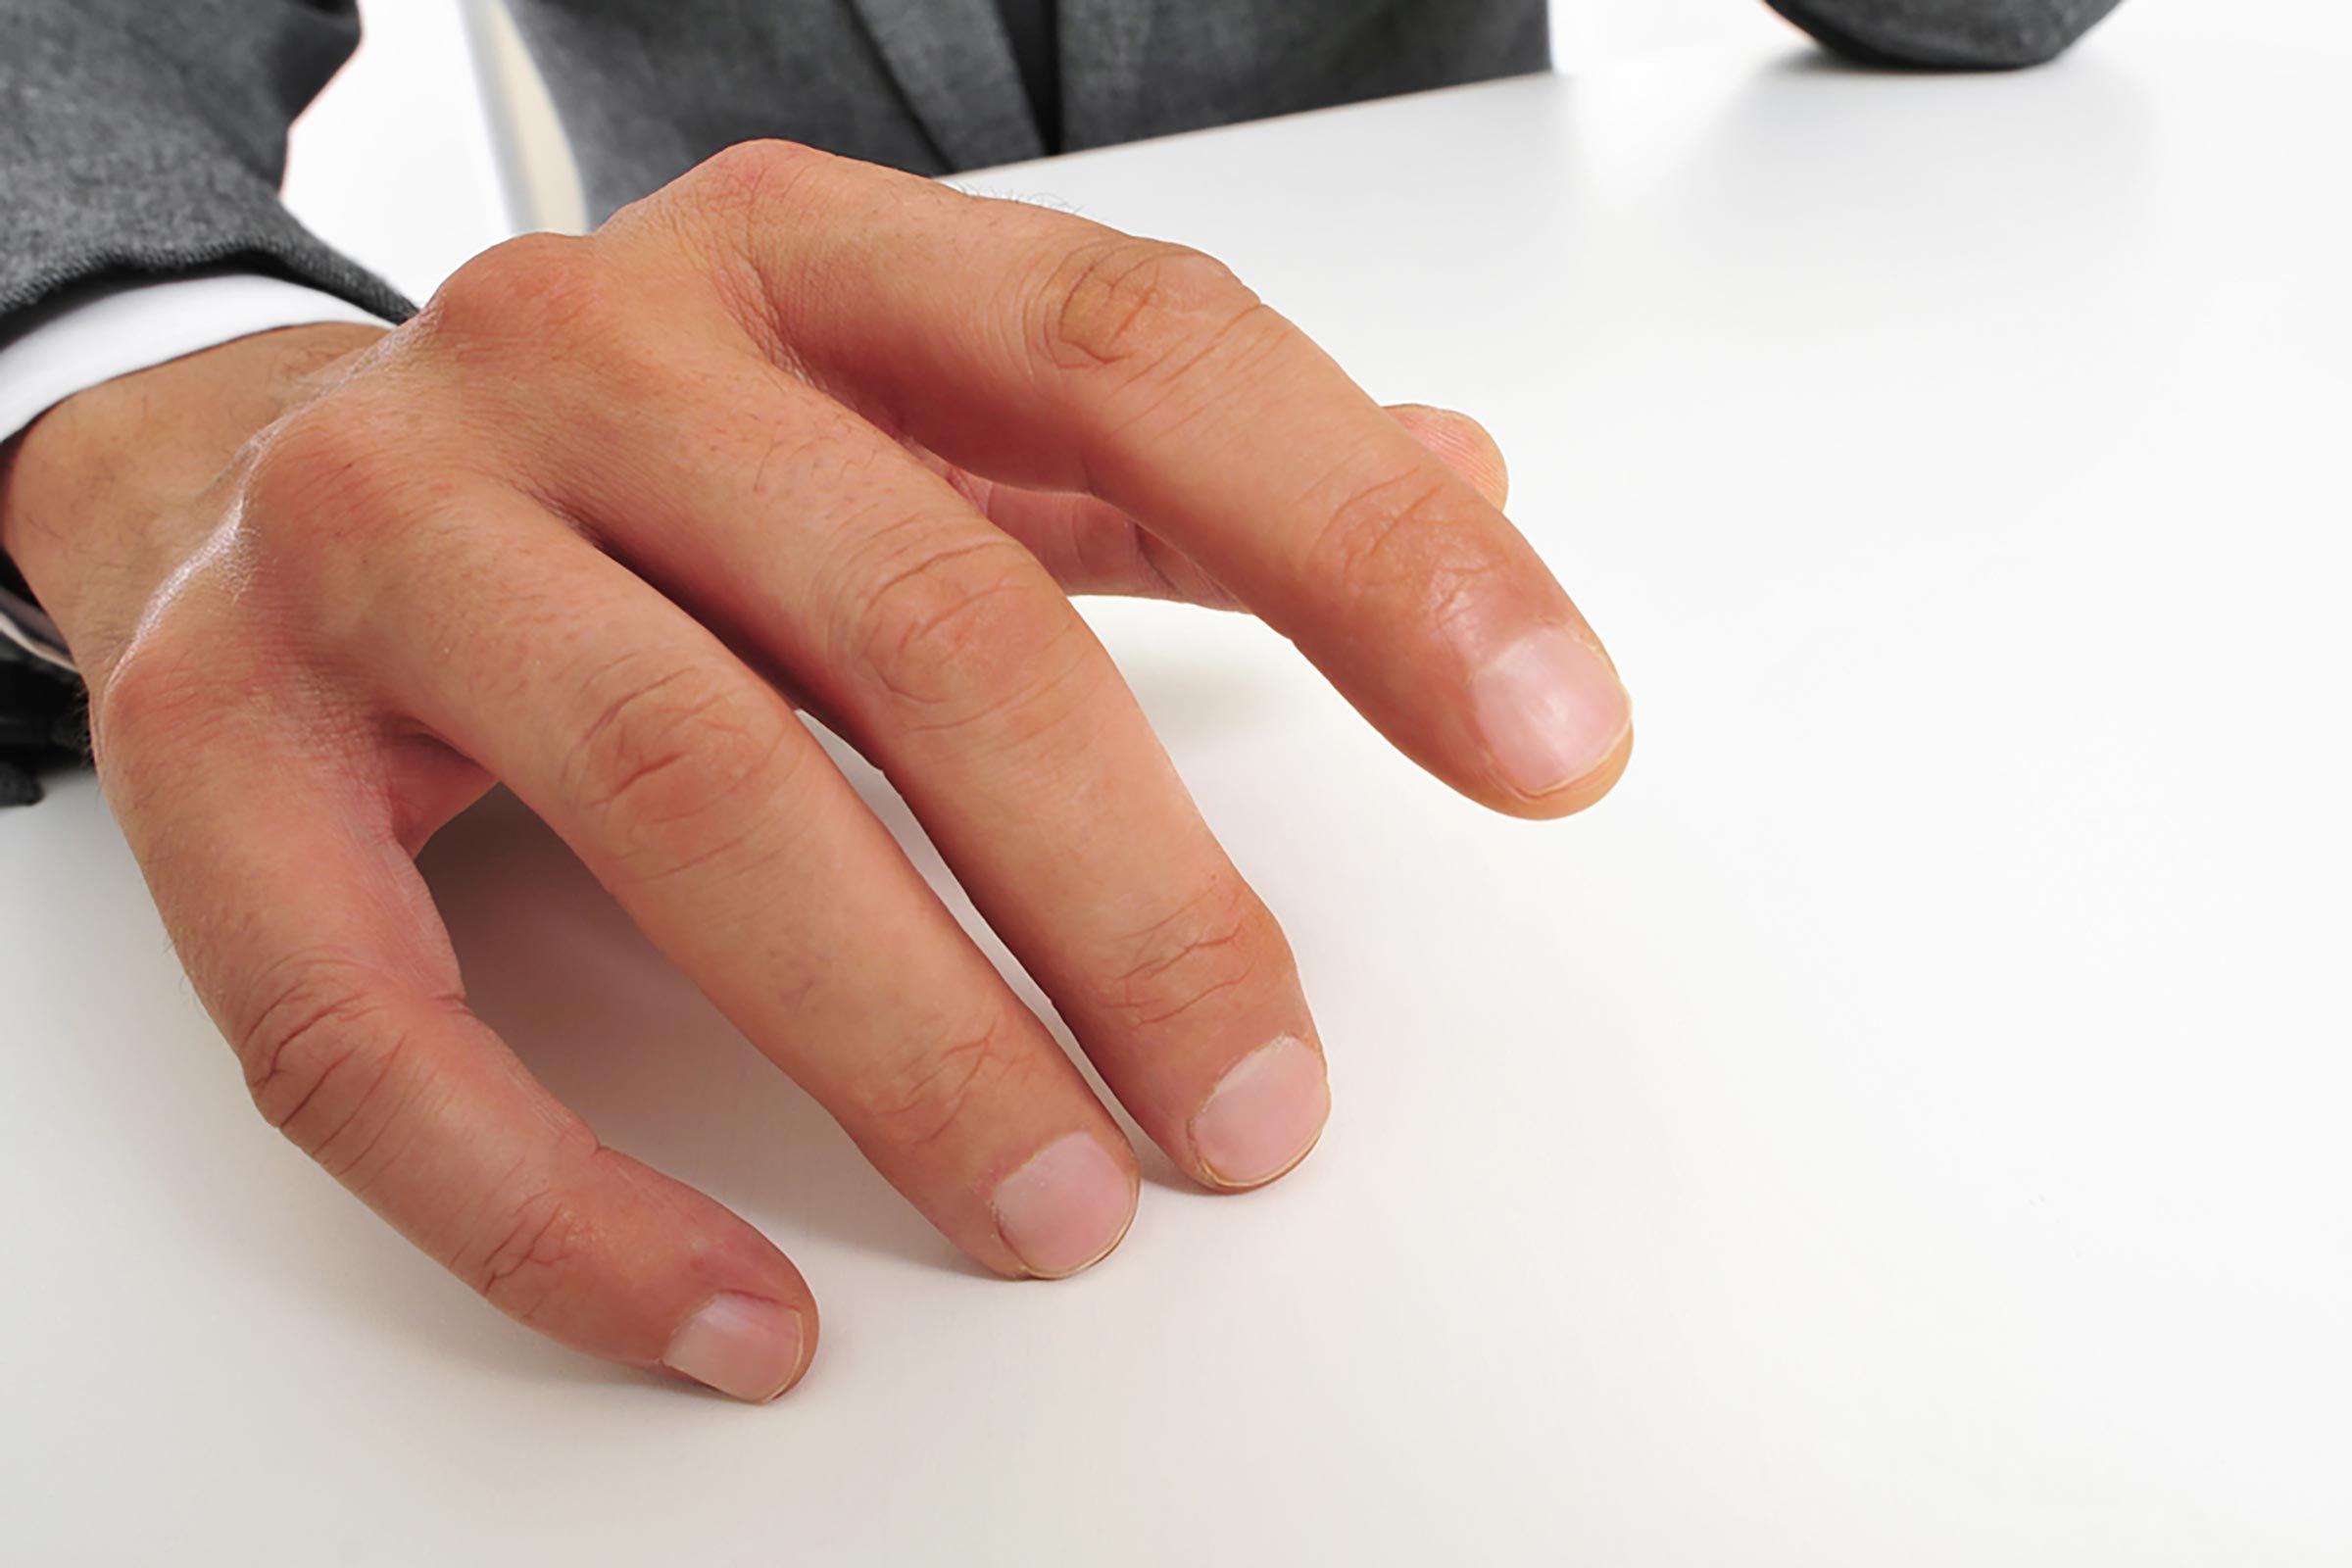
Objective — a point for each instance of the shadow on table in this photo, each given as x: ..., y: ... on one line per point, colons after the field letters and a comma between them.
x: 620, y: 1036
x: 2043, y: 175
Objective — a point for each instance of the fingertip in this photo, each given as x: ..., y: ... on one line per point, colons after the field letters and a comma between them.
x: 1579, y: 793
x: 1264, y: 1116
x: 651, y: 1271
x: 1555, y: 721
x: 1067, y: 1207
x: 746, y: 1346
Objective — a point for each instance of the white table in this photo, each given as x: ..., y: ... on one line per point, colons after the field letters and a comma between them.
x: 1905, y: 1125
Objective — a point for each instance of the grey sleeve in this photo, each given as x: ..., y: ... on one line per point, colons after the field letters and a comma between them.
x: 1946, y: 34
x: 148, y: 138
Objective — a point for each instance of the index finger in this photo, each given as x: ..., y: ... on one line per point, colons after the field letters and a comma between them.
x: 1049, y: 351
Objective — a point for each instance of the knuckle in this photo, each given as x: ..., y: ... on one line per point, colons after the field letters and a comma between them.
x: 917, y: 1099
x: 751, y: 176
x: 526, y: 291
x: 729, y: 213
x: 319, y: 472
x: 1140, y: 307
x: 1220, y: 940
x: 533, y: 1256
x: 962, y: 631
x: 1401, y: 534
x: 166, y: 689
x: 678, y: 761
x: 322, y: 1042
x: 332, y: 495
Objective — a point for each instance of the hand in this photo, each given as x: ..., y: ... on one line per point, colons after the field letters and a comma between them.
x: 793, y: 423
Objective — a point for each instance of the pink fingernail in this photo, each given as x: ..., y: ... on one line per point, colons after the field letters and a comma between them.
x: 1265, y: 1115
x: 739, y: 1345
x: 1066, y: 1208
x: 1550, y: 710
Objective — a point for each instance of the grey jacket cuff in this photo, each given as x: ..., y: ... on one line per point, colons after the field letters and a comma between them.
x: 1946, y: 34
x: 141, y: 140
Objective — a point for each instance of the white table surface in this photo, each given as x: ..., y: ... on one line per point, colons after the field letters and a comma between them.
x: 1905, y: 1125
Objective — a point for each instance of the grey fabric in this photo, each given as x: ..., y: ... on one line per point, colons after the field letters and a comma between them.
x: 647, y: 89
x: 1946, y: 34
x: 142, y: 136
x: 1150, y: 68
x: 1031, y: 26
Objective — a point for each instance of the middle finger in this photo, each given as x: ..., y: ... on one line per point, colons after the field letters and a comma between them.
x: 947, y: 653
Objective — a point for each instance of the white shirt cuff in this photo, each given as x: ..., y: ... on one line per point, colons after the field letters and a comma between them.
x: 95, y: 337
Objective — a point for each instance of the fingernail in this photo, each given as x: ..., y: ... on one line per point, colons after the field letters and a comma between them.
x: 1551, y: 708
x: 1066, y: 1208
x: 739, y: 1345
x: 1265, y: 1115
